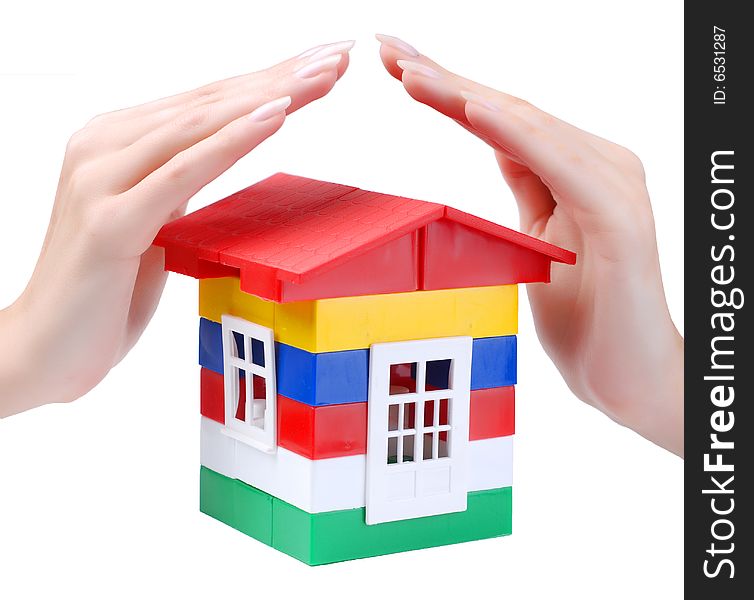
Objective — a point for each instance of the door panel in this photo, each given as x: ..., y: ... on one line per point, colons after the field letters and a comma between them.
x: 418, y: 435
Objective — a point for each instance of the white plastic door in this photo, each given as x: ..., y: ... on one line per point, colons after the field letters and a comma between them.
x: 418, y: 428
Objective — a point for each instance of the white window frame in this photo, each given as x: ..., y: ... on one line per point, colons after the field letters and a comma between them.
x: 432, y: 486
x: 263, y: 438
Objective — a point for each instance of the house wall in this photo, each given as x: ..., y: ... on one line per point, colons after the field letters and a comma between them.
x: 329, y: 484
x: 356, y: 322
x: 322, y: 358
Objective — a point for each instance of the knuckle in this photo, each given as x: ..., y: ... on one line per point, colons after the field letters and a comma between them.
x: 95, y: 222
x: 207, y: 92
x: 195, y: 118
x: 225, y: 139
x: 81, y: 179
x: 99, y: 119
x: 81, y: 141
x: 521, y: 105
x: 631, y: 160
x: 177, y: 169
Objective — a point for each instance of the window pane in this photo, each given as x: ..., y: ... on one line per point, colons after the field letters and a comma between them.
x: 402, y: 378
x: 429, y: 413
x: 239, y: 402
x: 259, y: 401
x: 260, y: 387
x: 438, y: 374
x: 392, y: 418
x: 237, y: 347
x: 392, y: 450
x: 444, y: 445
x: 444, y: 408
x: 427, y: 453
x: 409, y: 415
x: 257, y: 352
x: 408, y: 448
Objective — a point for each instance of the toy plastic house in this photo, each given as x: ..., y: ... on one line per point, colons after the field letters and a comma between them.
x: 358, y: 358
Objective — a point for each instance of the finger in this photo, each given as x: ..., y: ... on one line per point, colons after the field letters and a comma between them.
x: 308, y: 83
x: 263, y: 82
x: 150, y: 281
x: 533, y: 197
x: 565, y: 164
x: 210, y: 91
x: 430, y: 83
x: 148, y: 205
x: 406, y: 64
x: 560, y: 155
x: 264, y: 85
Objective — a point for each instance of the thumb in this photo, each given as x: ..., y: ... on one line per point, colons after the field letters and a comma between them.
x: 533, y: 197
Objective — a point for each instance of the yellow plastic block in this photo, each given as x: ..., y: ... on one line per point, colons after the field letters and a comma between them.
x: 223, y: 296
x: 355, y: 322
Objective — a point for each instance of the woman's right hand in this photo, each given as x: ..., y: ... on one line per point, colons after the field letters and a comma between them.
x: 604, y: 322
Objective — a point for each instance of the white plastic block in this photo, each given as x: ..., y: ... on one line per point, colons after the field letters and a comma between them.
x: 311, y: 485
x: 332, y: 483
x: 491, y: 463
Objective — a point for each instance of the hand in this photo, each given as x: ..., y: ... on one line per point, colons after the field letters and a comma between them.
x: 125, y: 174
x: 605, y: 322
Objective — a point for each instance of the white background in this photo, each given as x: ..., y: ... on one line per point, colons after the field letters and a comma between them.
x: 100, y: 498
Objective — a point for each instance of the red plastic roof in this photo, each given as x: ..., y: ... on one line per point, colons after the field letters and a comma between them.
x: 296, y: 227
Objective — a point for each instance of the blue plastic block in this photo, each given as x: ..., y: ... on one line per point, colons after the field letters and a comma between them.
x: 323, y: 378
x: 342, y: 377
x: 493, y: 364
x: 316, y: 379
x: 211, y: 345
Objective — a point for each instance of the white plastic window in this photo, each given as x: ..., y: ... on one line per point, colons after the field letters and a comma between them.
x: 250, y: 391
x: 418, y: 429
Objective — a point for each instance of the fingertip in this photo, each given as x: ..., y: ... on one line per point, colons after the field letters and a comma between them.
x: 390, y: 57
x: 480, y: 116
x: 270, y: 109
x: 436, y: 93
x: 343, y: 65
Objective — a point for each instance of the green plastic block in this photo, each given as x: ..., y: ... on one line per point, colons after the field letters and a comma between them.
x: 340, y: 535
x: 336, y: 536
x: 241, y: 506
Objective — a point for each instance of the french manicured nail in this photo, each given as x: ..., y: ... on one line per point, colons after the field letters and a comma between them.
x: 311, y: 51
x: 270, y: 109
x: 479, y: 101
x: 418, y: 69
x: 330, y: 49
x: 313, y: 69
x: 396, y: 43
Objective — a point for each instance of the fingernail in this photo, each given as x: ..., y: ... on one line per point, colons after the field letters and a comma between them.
x: 330, y: 49
x: 396, y: 43
x: 479, y: 101
x: 418, y: 69
x: 311, y: 51
x: 270, y: 109
x: 313, y: 69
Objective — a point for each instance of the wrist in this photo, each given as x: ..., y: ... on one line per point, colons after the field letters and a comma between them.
x: 19, y: 380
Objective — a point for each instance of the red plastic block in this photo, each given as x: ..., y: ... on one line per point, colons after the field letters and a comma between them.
x: 341, y: 429
x: 212, y: 395
x: 322, y: 431
x: 291, y: 238
x: 212, y: 401
x: 492, y: 413
x: 459, y: 256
